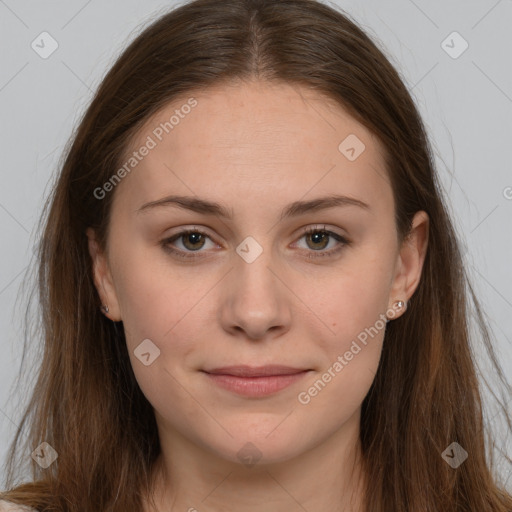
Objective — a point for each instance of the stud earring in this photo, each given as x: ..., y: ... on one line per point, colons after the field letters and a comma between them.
x: 104, y: 308
x: 399, y: 304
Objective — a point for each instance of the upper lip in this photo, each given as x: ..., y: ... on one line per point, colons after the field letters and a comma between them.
x: 256, y: 371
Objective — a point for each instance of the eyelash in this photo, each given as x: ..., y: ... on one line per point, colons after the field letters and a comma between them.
x: 312, y: 254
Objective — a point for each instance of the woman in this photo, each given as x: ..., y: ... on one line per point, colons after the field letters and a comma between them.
x: 253, y: 296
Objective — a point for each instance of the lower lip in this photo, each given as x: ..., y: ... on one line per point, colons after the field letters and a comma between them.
x: 255, y: 386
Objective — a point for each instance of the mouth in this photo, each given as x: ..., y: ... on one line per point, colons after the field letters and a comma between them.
x: 252, y: 381
x: 256, y: 371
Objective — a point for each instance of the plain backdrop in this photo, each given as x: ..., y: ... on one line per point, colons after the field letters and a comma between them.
x: 464, y: 95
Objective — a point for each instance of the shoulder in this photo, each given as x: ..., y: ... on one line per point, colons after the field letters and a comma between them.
x: 7, y: 506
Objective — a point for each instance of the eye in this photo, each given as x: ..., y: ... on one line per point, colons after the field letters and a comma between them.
x: 193, y: 240
x: 318, y: 238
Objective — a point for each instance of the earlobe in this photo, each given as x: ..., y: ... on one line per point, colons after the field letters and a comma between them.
x: 102, y: 278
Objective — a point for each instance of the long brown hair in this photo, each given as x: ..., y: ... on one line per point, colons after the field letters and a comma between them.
x: 86, y: 402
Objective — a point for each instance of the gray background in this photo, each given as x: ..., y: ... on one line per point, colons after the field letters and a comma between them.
x: 466, y: 103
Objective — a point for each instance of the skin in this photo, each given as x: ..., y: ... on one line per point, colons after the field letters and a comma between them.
x: 255, y: 148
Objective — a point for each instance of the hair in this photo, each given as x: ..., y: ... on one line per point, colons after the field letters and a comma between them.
x: 86, y: 402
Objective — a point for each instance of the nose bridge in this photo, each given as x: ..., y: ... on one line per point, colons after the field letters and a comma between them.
x: 252, y: 270
x: 256, y: 300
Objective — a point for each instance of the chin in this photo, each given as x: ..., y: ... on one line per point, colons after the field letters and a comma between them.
x: 259, y: 447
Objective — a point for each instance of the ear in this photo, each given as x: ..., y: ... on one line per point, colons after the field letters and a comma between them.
x: 410, y: 261
x: 103, y: 278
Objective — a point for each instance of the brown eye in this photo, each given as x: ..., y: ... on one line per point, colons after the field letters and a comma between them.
x: 193, y: 240
x: 319, y: 239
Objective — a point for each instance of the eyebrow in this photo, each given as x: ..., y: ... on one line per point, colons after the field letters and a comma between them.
x: 294, y: 209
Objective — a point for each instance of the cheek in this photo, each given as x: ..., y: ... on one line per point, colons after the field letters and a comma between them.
x: 147, y: 304
x: 158, y: 303
x: 343, y: 304
x: 349, y: 327
x: 152, y: 296
x: 349, y: 357
x: 158, y: 319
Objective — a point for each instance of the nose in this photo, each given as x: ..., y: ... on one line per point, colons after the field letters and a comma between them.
x: 256, y: 301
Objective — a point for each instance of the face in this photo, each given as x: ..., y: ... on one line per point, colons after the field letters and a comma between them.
x: 252, y: 287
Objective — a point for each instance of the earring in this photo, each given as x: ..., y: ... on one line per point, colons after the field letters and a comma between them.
x: 104, y: 308
x: 399, y: 304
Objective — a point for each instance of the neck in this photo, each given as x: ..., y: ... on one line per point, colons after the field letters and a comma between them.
x: 327, y: 477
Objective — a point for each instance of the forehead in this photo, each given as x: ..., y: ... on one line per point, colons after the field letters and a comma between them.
x: 253, y: 139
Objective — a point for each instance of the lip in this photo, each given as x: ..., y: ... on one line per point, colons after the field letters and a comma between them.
x: 253, y: 381
x: 256, y: 371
